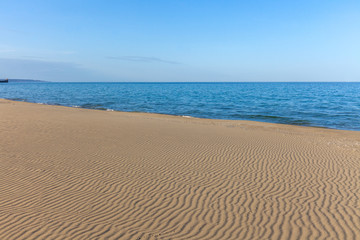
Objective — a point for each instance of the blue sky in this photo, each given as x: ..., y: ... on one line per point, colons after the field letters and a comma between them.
x: 178, y: 40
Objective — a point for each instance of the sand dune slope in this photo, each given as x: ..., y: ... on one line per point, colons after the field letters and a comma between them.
x: 69, y: 173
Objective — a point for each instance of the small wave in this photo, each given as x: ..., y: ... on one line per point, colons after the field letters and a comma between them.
x: 277, y: 119
x: 267, y: 117
x: 18, y: 99
x: 187, y: 116
x: 90, y: 105
x: 93, y: 106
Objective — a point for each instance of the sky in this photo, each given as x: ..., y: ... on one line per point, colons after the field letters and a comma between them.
x: 180, y: 40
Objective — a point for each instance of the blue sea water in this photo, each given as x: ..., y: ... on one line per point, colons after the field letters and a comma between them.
x: 330, y: 105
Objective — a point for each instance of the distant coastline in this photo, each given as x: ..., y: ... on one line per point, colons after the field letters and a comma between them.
x: 25, y: 81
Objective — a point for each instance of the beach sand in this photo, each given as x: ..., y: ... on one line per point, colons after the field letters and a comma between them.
x: 71, y: 173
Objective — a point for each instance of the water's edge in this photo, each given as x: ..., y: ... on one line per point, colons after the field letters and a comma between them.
x: 173, y: 115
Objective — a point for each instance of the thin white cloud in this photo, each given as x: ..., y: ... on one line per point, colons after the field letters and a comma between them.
x: 33, y: 57
x: 46, y: 70
x: 6, y: 49
x: 142, y: 59
x: 11, y: 30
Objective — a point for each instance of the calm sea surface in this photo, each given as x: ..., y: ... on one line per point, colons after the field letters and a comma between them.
x: 331, y: 105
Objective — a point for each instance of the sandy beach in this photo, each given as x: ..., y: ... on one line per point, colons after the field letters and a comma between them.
x: 71, y: 173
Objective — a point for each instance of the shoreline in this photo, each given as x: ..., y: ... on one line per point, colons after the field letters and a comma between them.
x: 183, y: 116
x: 75, y: 173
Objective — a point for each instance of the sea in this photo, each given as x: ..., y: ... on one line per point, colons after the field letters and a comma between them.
x: 329, y: 105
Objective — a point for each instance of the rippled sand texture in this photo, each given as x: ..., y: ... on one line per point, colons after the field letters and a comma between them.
x: 71, y: 173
